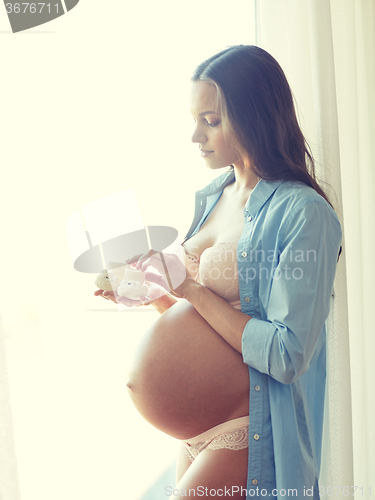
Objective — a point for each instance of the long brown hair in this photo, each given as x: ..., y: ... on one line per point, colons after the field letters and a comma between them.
x: 258, y: 113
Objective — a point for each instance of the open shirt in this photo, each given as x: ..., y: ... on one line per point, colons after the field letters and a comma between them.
x: 286, y: 258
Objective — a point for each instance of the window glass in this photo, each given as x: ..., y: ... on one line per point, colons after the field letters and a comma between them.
x: 95, y: 103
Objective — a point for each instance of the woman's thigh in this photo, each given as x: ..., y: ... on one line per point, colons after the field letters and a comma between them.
x: 183, y: 463
x: 222, y: 471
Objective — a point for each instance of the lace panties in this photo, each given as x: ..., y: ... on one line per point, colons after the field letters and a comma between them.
x: 232, y: 435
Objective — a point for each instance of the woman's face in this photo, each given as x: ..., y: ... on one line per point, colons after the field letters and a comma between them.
x: 208, y: 131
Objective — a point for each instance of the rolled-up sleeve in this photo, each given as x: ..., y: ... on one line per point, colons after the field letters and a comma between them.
x: 296, y: 296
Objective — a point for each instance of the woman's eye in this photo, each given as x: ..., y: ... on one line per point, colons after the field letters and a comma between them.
x: 209, y: 124
x: 214, y: 124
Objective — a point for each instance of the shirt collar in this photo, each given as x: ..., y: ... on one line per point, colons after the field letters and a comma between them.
x: 260, y: 194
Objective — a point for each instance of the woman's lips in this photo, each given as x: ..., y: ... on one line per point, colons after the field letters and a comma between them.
x: 205, y: 153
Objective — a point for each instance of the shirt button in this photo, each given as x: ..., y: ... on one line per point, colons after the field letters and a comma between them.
x: 257, y: 388
x: 249, y: 218
x: 256, y: 437
x: 255, y: 482
x: 244, y: 254
x: 247, y: 299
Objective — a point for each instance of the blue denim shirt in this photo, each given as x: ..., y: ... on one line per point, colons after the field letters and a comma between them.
x: 286, y: 259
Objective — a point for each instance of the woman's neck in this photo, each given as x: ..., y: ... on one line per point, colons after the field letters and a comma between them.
x: 245, y: 179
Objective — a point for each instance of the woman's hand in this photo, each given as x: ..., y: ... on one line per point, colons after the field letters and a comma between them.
x: 174, y: 276
x: 114, y: 297
x: 154, y: 292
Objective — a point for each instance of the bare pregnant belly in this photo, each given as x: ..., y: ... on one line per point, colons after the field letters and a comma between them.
x: 185, y: 378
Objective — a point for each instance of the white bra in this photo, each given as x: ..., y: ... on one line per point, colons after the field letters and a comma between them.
x: 217, y: 270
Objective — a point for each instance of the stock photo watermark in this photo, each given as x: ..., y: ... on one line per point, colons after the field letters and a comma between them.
x: 25, y: 15
x: 227, y: 492
x: 227, y: 263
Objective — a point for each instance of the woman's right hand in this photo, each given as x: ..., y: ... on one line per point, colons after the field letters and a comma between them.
x: 154, y: 292
x: 110, y: 295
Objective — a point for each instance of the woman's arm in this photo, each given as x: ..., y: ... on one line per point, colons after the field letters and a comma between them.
x: 224, y: 318
x: 163, y: 303
x: 297, y: 295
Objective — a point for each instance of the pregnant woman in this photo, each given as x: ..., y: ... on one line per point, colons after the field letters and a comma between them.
x: 235, y: 365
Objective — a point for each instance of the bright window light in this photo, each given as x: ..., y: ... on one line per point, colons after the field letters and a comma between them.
x: 96, y: 103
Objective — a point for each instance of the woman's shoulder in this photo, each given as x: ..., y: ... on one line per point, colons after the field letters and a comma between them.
x: 292, y: 196
x: 296, y: 191
x: 295, y: 204
x: 301, y: 212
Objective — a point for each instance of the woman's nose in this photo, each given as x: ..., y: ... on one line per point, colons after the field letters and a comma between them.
x: 198, y: 135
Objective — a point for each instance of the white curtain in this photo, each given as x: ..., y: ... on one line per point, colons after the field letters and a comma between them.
x: 9, y: 484
x: 327, y: 50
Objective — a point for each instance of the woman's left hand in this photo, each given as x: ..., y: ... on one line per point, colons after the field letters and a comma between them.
x: 174, y: 276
